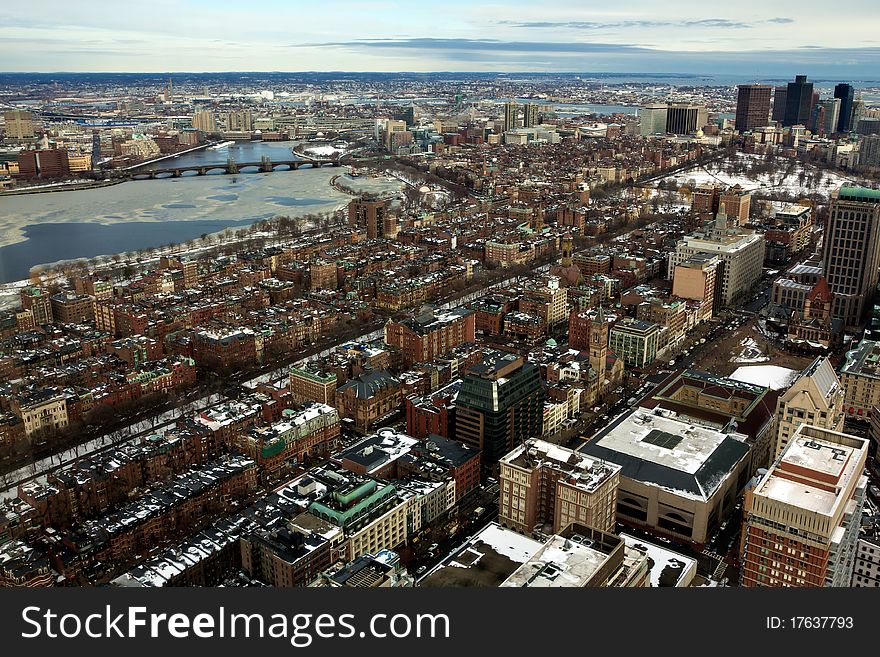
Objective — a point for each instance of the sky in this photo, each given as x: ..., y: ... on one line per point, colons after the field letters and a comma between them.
x: 750, y: 38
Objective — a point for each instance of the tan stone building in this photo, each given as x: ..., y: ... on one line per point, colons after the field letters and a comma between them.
x: 860, y: 376
x: 815, y: 398
x: 44, y: 409
x: 543, y: 484
x: 697, y: 279
x: 312, y: 385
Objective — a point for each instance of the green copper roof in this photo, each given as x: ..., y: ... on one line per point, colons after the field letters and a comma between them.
x: 857, y: 193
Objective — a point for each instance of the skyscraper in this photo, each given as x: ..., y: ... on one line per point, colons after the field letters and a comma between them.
x: 856, y: 114
x: 829, y: 118
x: 845, y: 93
x: 510, y: 115
x: 239, y: 121
x: 780, y: 95
x: 798, y: 101
x: 752, y: 106
x: 802, y: 518
x: 500, y: 405
x: 852, y: 251
x: 530, y: 115
x: 652, y: 119
x: 684, y: 118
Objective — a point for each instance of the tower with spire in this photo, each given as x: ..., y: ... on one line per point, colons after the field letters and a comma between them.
x: 599, y: 343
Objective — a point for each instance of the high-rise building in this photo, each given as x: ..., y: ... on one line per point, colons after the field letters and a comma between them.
x: 844, y: 92
x: 685, y: 118
x: 780, y: 95
x: 500, y: 405
x: 546, y: 487
x: 368, y: 214
x: 697, y: 279
x: 816, y: 398
x: 798, y: 102
x: 510, y: 116
x: 530, y: 115
x: 19, y: 124
x: 741, y: 252
x: 752, y: 106
x: 392, y: 129
x: 43, y: 163
x: 801, y: 520
x: 239, y: 121
x: 852, y: 251
x: 39, y: 303
x: 652, y: 119
x: 204, y: 121
x: 855, y: 116
x: 827, y: 123
x: 860, y: 376
x: 869, y: 151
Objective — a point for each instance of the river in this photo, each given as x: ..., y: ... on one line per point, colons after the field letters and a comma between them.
x: 48, y: 227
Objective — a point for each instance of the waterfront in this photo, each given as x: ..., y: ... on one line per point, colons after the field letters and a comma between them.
x: 45, y: 228
x: 240, y: 151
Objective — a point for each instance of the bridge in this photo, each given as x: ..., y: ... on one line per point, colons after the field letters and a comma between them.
x: 265, y: 165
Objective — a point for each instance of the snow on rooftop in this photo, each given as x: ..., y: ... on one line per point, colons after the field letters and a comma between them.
x: 506, y: 542
x: 697, y: 443
x: 767, y: 376
x: 664, y: 560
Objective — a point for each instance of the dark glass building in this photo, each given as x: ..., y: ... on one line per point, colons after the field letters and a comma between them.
x: 846, y: 94
x: 798, y: 102
x: 500, y: 404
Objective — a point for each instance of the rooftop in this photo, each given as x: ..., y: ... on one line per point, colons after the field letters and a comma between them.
x: 815, y: 471
x: 486, y: 560
x: 562, y: 562
x: 582, y: 472
x: 656, y: 447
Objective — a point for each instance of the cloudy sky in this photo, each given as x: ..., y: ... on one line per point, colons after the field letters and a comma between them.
x: 751, y: 38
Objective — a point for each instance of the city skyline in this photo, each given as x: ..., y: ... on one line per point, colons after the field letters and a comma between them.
x: 750, y: 40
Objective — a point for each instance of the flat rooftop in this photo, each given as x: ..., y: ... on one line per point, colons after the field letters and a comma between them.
x: 561, y: 562
x: 657, y: 447
x: 486, y: 560
x: 830, y: 465
x: 665, y: 567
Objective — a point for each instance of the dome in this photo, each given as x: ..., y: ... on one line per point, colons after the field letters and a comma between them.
x: 424, y: 189
x: 551, y: 342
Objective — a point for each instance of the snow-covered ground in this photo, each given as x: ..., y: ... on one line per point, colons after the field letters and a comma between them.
x: 768, y: 376
x: 751, y: 353
x: 722, y: 172
x: 323, y: 151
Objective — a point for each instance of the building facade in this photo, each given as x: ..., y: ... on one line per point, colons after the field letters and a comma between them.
x: 543, y: 485
x: 801, y: 519
x: 851, y: 255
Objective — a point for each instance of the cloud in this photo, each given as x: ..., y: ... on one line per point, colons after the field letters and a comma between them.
x: 721, y: 23
x: 479, y: 45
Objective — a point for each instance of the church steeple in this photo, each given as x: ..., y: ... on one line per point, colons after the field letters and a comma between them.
x: 599, y: 342
x: 567, y: 249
